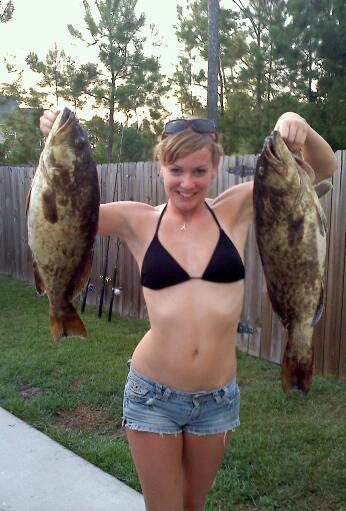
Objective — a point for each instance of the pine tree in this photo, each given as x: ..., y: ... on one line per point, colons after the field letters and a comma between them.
x: 127, y: 79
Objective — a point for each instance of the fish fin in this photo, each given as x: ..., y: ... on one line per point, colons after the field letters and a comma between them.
x: 27, y: 201
x: 49, y: 206
x: 296, y: 373
x: 66, y: 324
x: 38, y: 280
x: 84, y: 276
x: 323, y: 224
x: 319, y: 308
x: 295, y: 231
x: 323, y: 187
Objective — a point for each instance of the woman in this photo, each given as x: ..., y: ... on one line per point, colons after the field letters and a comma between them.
x: 181, y: 400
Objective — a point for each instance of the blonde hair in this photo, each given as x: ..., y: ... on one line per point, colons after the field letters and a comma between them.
x: 178, y: 145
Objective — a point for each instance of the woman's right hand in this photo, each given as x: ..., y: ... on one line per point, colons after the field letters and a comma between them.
x: 47, y: 121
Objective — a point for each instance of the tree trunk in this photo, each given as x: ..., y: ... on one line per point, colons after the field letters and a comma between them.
x: 213, y: 57
x: 310, y: 71
x: 111, y: 123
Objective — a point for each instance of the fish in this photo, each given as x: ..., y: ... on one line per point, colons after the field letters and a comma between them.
x: 291, y: 235
x: 62, y: 211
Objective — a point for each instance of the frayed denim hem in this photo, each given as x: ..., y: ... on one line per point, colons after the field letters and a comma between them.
x: 135, y: 427
x: 231, y: 428
x: 145, y: 429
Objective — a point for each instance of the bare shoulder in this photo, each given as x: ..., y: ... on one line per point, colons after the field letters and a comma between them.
x: 235, y: 205
x: 125, y: 219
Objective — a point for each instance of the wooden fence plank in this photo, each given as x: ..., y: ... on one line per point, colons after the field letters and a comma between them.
x: 342, y: 360
x: 266, y: 329
x: 319, y: 330
x: 341, y: 294
x: 253, y: 277
x: 22, y: 223
x: 253, y: 296
x: 9, y: 227
x: 28, y: 268
x: 335, y: 283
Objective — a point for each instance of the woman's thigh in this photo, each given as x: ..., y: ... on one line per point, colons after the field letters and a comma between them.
x: 202, y: 458
x: 158, y: 461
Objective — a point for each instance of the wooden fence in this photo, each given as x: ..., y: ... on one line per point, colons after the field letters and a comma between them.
x: 261, y: 333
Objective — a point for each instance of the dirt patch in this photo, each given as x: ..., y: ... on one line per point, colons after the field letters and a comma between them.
x: 29, y: 391
x: 88, y: 418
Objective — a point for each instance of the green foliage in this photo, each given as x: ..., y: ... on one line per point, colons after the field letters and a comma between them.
x: 97, y: 129
x: 138, y: 144
x: 61, y: 75
x: 22, y: 136
x: 22, y: 140
x: 53, y: 70
x: 288, y: 454
x: 127, y: 79
x: 183, y: 80
x: 6, y: 11
x: 275, y: 56
x: 130, y: 143
x: 13, y: 89
x: 192, y: 32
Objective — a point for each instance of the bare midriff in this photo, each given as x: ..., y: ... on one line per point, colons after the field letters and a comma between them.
x: 191, y: 343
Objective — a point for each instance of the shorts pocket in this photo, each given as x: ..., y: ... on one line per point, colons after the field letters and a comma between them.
x: 137, y: 391
x: 232, y: 397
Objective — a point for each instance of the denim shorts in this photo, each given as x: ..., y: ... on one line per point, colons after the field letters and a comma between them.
x: 152, y: 407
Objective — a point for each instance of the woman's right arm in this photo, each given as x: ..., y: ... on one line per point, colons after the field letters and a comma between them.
x: 123, y: 219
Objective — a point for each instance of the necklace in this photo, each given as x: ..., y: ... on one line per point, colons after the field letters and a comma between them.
x: 183, y: 227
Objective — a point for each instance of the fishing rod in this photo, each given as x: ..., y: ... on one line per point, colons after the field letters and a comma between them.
x: 105, y: 278
x: 89, y: 287
x: 116, y: 291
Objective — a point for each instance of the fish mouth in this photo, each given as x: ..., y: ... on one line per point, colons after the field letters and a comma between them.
x: 272, y: 147
x: 67, y: 116
x: 65, y: 121
x: 62, y: 127
x: 275, y: 156
x: 280, y: 155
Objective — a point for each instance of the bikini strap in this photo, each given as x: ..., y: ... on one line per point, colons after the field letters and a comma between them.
x: 213, y: 214
x: 160, y: 219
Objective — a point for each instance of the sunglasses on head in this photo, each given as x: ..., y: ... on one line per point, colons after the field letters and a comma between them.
x: 198, y: 125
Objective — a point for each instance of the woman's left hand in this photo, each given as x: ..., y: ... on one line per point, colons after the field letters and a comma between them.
x: 294, y: 129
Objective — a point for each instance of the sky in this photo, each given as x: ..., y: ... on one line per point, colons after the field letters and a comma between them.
x: 38, y: 24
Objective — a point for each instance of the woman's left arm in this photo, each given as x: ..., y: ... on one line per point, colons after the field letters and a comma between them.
x: 298, y: 135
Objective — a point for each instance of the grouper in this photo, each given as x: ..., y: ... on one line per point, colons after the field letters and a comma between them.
x: 62, y: 213
x: 291, y: 232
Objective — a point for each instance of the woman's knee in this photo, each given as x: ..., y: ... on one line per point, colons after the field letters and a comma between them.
x: 194, y: 505
x: 193, y: 502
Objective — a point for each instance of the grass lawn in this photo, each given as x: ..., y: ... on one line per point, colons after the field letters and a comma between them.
x: 288, y: 454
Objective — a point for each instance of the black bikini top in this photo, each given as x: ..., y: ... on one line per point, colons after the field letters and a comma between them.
x: 160, y: 269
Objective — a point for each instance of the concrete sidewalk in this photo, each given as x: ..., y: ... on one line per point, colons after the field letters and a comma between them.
x: 38, y: 474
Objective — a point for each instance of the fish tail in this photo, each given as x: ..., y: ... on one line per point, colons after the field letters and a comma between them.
x: 297, y: 369
x: 66, y: 324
